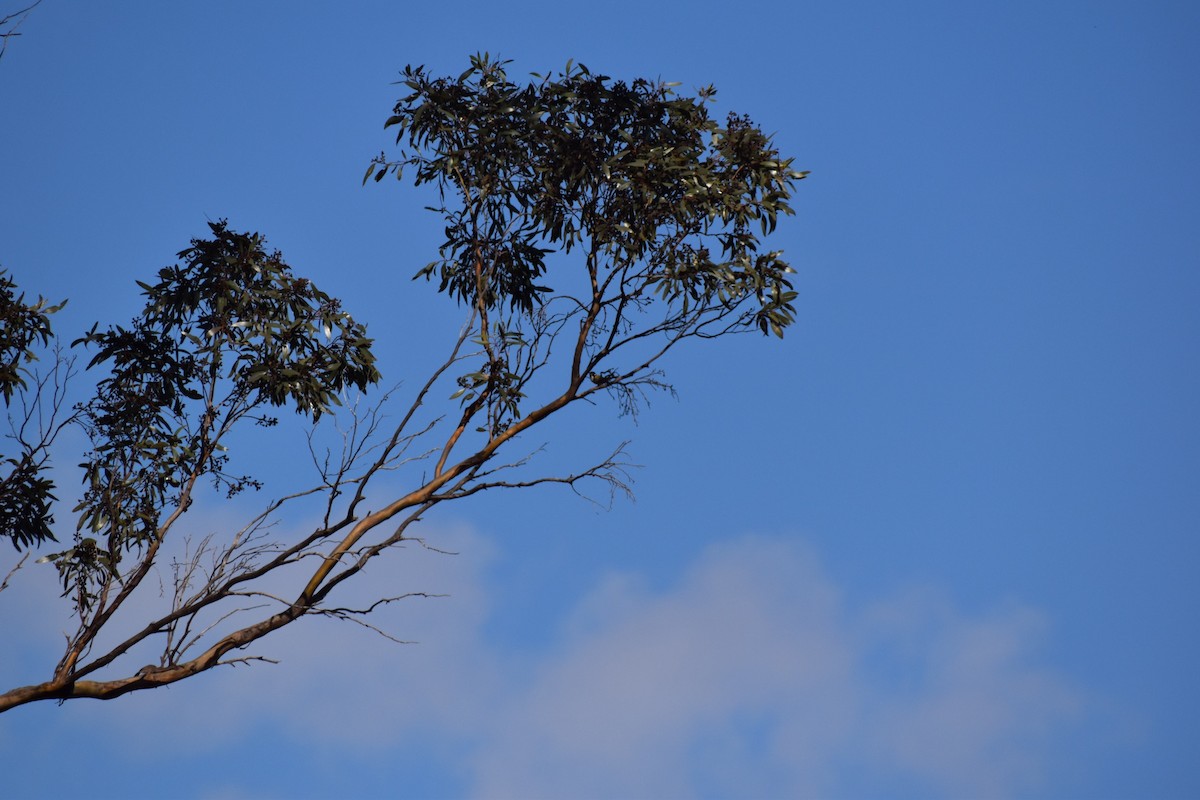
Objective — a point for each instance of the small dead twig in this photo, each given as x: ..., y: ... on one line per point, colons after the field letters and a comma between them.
x: 13, y: 571
x: 14, y: 21
x: 355, y: 614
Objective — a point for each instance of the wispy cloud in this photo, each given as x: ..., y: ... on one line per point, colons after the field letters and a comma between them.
x: 755, y: 674
x: 739, y: 675
x: 754, y: 677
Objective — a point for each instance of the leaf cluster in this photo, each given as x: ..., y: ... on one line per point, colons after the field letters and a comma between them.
x: 26, y: 499
x: 640, y: 178
x: 225, y: 332
x: 23, y: 327
x: 26, y: 495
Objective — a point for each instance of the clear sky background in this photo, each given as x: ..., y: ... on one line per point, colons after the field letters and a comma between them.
x: 939, y: 542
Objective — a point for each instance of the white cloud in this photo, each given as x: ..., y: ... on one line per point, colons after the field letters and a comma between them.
x: 979, y: 715
x: 753, y: 678
x: 742, y: 658
x: 754, y: 675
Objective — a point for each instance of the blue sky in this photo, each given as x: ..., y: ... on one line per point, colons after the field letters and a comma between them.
x: 939, y: 542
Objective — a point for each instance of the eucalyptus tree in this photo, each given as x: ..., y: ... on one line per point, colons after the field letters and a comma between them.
x: 592, y: 226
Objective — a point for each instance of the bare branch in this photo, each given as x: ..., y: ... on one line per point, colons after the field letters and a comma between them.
x: 12, y: 572
x: 233, y: 662
x: 356, y: 615
x: 14, y: 21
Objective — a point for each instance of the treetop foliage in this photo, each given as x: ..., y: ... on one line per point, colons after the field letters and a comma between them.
x: 641, y: 177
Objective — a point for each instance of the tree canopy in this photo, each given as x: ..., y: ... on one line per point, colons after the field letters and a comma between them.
x: 591, y: 225
x: 657, y: 194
